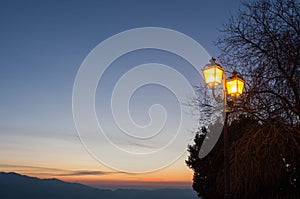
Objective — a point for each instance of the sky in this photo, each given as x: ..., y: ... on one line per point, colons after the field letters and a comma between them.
x: 44, y: 44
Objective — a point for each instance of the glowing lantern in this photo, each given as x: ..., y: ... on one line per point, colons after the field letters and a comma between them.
x: 213, y: 73
x: 235, y: 85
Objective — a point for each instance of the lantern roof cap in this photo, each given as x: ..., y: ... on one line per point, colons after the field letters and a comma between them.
x: 214, y: 63
x: 234, y: 75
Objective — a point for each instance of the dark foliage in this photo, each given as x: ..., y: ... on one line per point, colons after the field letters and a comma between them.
x: 260, y: 166
x: 206, y: 170
x: 263, y: 44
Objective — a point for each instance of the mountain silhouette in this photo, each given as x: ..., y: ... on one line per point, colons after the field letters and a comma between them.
x: 16, y: 186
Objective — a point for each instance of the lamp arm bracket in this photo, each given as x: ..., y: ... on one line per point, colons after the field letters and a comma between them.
x: 217, y: 97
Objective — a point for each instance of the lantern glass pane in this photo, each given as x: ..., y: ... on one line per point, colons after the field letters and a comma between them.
x: 235, y: 86
x: 219, y: 75
x: 232, y: 87
x: 240, y: 86
x: 213, y: 75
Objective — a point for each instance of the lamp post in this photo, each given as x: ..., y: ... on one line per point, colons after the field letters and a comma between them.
x: 214, y: 76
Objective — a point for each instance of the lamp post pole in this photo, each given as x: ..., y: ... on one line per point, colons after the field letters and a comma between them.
x: 227, y: 194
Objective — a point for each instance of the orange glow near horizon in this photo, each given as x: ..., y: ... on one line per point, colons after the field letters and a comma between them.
x: 176, y: 175
x: 167, y: 177
x: 73, y: 164
x: 154, y: 179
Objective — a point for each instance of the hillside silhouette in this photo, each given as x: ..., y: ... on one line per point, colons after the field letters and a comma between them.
x: 16, y: 186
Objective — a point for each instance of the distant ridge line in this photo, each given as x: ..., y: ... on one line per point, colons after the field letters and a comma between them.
x: 15, y: 186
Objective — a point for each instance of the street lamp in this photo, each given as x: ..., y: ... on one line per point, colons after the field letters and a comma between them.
x: 215, y: 75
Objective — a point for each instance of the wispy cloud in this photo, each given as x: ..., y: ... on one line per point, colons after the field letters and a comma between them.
x: 34, y: 170
x: 26, y: 167
x: 141, y: 145
x: 86, y: 173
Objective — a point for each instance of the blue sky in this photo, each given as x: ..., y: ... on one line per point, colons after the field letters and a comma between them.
x: 42, y: 45
x: 44, y: 42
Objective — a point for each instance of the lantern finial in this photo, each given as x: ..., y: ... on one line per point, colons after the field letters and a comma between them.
x: 212, y: 62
